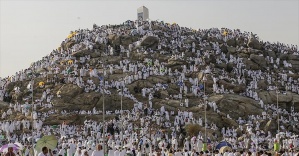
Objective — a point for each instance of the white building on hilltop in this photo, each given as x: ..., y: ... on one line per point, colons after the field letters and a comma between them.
x: 142, y: 13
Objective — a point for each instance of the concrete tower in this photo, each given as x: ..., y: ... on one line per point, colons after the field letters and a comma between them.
x: 142, y: 13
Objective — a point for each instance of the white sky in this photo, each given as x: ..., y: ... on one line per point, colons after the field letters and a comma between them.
x: 30, y: 30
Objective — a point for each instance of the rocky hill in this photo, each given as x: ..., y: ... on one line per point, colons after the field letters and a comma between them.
x: 238, y: 61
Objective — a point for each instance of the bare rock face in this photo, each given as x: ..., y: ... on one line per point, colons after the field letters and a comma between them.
x: 262, y: 84
x: 230, y: 122
x: 235, y: 106
x: 124, y: 40
x: 70, y: 90
x: 271, y: 97
x: 272, y: 54
x: 271, y: 126
x: 82, y: 53
x: 231, y: 42
x: 251, y: 65
x: 254, y: 43
x: 260, y: 60
x: 150, y: 42
x: 242, y: 106
x: 231, y: 50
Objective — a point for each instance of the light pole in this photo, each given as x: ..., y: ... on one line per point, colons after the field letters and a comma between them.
x: 277, y: 91
x: 103, y: 107
x: 204, y: 79
x: 121, y: 112
x: 121, y: 102
x: 30, y: 87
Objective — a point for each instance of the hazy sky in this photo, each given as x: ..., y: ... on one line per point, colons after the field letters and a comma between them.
x: 30, y: 30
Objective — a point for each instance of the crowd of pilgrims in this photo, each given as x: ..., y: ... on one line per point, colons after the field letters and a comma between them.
x: 122, y: 136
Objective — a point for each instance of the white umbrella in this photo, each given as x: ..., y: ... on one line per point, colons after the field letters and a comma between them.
x: 21, y: 147
x: 4, y: 148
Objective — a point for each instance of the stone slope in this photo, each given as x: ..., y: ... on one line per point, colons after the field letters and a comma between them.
x: 236, y: 104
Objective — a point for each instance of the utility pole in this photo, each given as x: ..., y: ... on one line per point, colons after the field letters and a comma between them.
x: 121, y: 101
x: 277, y: 92
x: 104, y: 135
x: 32, y: 109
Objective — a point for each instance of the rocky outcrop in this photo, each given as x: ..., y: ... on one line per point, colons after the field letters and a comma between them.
x: 250, y: 51
x: 271, y: 126
x: 70, y: 90
x: 260, y: 60
x: 231, y: 50
x: 231, y: 42
x: 271, y: 97
x: 82, y: 53
x: 150, y: 42
x: 254, y: 43
x: 242, y: 105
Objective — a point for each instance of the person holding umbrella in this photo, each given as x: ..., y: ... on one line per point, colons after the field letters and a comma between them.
x: 45, y: 152
x: 9, y: 148
x: 10, y: 152
x: 45, y: 143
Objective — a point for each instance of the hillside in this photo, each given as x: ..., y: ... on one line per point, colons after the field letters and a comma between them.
x: 242, y: 74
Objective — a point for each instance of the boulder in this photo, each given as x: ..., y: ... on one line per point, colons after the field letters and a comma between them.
x: 271, y: 54
x: 214, y: 39
x: 231, y: 50
x: 251, y: 65
x: 230, y: 122
x: 190, y: 41
x: 254, y: 43
x: 282, y: 98
x: 262, y: 84
x: 70, y: 90
x: 221, y: 66
x: 264, y: 95
x: 126, y: 40
x: 207, y: 48
x: 223, y: 48
x: 283, y: 57
x: 294, y: 62
x: 294, y: 57
x: 271, y: 126
x: 243, y: 55
x: 231, y: 42
x: 82, y: 53
x: 112, y: 37
x: 116, y: 40
x: 260, y: 60
x: 172, y: 62
x: 243, y: 106
x: 87, y: 98
x: 150, y: 42
x: 95, y: 54
x: 226, y: 84
x: 239, y: 88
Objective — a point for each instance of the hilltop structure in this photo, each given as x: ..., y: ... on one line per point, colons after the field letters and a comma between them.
x: 142, y: 13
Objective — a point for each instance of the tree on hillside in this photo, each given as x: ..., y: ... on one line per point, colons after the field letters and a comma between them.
x: 192, y: 129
